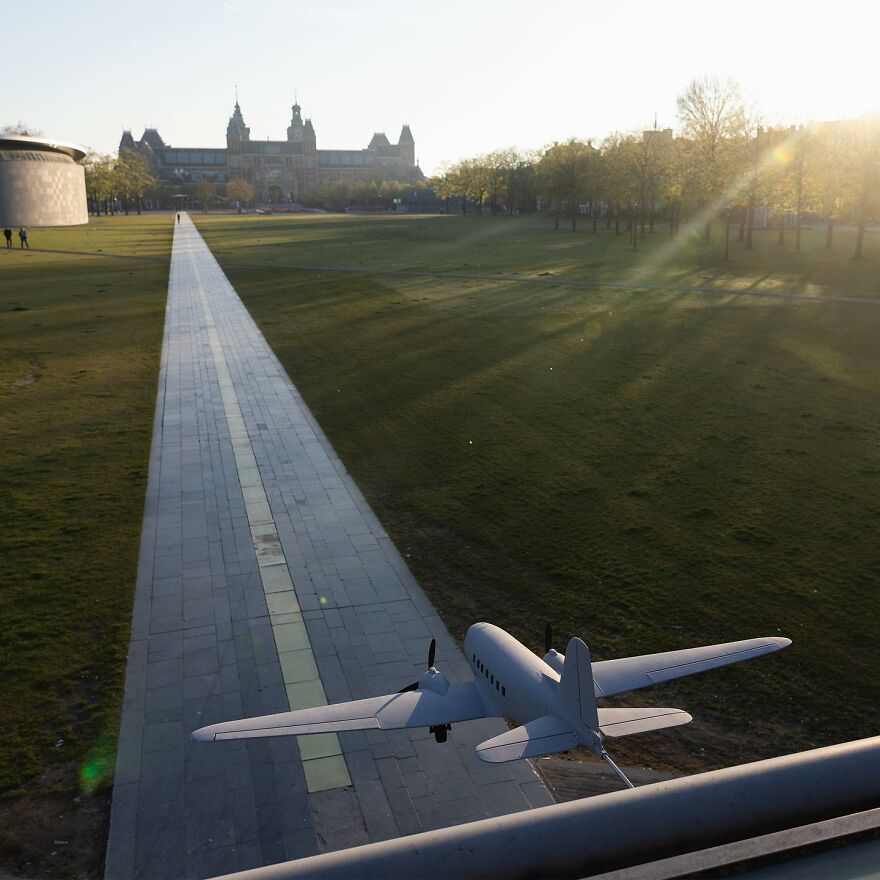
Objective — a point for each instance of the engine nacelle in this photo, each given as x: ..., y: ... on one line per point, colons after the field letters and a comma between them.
x: 432, y: 680
x: 555, y: 660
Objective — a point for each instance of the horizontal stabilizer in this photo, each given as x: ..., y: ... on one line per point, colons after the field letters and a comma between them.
x: 539, y: 737
x: 417, y: 708
x: 624, y: 722
x: 630, y: 673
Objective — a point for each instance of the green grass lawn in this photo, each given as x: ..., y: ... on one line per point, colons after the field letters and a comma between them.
x: 529, y: 247
x: 648, y: 470
x: 80, y: 339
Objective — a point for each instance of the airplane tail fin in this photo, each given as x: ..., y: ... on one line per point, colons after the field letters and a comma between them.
x: 577, y: 694
x: 576, y: 690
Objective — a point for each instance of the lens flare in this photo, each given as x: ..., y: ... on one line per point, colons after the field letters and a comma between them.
x: 97, y: 767
x: 782, y: 155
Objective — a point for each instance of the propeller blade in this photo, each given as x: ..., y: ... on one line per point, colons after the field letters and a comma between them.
x: 432, y: 650
x: 548, y: 638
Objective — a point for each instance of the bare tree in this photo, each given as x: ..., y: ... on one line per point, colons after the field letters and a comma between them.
x: 563, y: 175
x: 829, y: 175
x: 239, y: 190
x: 712, y: 114
x: 21, y: 128
x: 204, y: 192
x: 134, y: 177
x: 863, y: 174
x: 803, y: 152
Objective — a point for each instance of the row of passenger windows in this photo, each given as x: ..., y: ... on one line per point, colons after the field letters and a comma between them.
x: 492, y: 680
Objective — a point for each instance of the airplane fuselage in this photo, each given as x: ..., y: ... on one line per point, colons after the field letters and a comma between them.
x: 512, y: 680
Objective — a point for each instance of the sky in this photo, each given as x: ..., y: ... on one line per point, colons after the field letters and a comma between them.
x: 468, y: 76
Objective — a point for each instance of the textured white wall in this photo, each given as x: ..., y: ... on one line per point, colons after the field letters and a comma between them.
x: 35, y: 193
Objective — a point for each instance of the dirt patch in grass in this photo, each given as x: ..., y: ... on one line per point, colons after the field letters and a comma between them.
x: 53, y: 833
x: 31, y: 374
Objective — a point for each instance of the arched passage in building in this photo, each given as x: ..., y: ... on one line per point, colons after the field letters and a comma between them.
x: 275, y: 195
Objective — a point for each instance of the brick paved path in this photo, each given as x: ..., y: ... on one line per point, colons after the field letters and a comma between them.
x: 265, y: 582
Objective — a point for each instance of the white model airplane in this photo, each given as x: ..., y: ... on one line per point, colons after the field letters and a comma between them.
x: 553, y: 699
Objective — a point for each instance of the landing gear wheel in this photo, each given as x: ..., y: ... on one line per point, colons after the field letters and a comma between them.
x: 440, y: 731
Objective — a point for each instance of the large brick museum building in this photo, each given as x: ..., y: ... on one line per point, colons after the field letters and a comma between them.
x: 279, y: 171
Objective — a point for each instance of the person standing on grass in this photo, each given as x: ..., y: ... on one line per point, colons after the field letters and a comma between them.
x: 22, y: 234
x: 7, y: 234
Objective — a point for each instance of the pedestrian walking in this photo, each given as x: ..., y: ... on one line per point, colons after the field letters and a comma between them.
x: 7, y: 234
x: 178, y: 217
x: 22, y: 234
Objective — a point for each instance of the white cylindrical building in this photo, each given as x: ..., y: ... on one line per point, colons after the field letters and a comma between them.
x: 42, y: 183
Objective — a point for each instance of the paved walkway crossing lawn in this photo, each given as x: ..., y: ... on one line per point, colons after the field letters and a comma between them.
x: 266, y: 583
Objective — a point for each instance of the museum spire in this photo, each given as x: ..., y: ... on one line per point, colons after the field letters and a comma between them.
x: 295, y: 129
x: 236, y: 127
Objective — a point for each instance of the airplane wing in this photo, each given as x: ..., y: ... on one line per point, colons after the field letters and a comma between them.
x: 539, y: 737
x: 630, y: 673
x: 417, y: 708
x: 624, y: 722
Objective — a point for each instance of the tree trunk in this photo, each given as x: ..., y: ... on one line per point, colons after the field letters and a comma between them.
x: 651, y: 218
x: 860, y: 238
x: 574, y: 220
x: 139, y: 205
x: 727, y: 237
x: 125, y: 205
x: 750, y: 224
x: 595, y: 224
x: 781, y: 239
x: 742, y: 225
x: 616, y: 220
x: 797, y: 234
x: 557, y: 219
x: 608, y: 216
x: 829, y: 232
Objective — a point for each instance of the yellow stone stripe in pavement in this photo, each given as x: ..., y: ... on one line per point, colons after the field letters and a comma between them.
x: 321, y: 754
